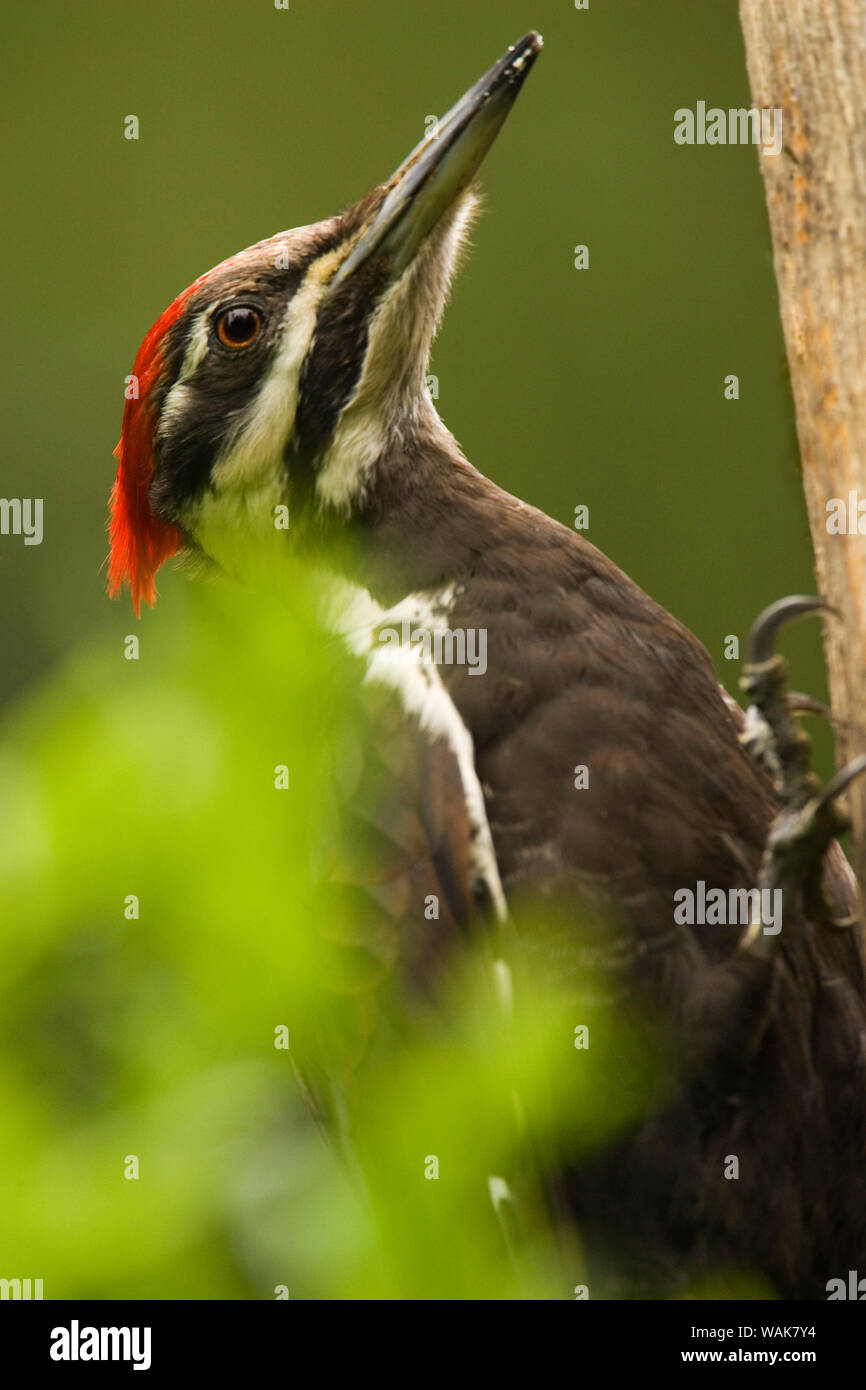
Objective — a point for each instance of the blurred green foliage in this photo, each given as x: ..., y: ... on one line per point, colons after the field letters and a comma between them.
x: 154, y: 1035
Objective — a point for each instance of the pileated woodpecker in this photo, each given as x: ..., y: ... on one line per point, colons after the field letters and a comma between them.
x: 294, y: 375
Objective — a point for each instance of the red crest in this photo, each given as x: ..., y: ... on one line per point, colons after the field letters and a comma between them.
x: 139, y: 542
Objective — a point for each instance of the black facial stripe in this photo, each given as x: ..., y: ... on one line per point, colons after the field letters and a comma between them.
x: 220, y: 390
x: 332, y: 369
x: 216, y: 397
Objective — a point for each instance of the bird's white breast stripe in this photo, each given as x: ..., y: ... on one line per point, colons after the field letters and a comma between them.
x: 357, y: 617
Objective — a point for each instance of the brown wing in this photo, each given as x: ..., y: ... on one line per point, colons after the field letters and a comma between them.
x: 400, y: 864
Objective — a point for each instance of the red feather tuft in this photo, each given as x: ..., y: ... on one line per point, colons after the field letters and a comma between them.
x: 139, y: 542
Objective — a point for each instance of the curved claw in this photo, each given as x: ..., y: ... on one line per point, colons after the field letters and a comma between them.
x: 842, y: 781
x: 759, y: 647
x: 805, y: 704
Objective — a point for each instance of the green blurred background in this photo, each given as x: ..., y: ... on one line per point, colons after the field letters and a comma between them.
x: 602, y: 387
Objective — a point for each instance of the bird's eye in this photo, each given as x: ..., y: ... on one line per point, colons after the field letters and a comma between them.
x: 238, y: 327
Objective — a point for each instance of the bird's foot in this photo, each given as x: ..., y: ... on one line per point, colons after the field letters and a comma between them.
x: 772, y: 734
x: 810, y: 818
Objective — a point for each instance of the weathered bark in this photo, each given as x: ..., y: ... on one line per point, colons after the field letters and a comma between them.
x: 809, y: 60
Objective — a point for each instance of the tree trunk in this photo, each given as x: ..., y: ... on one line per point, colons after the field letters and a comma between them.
x: 809, y: 60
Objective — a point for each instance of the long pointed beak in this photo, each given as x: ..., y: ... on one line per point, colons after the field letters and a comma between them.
x: 443, y: 165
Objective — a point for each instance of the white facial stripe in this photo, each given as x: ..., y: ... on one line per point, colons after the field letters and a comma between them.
x: 359, y: 440
x: 392, y: 381
x: 196, y: 348
x: 176, y: 401
x: 270, y: 416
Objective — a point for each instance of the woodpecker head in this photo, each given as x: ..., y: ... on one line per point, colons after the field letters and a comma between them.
x: 280, y: 377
